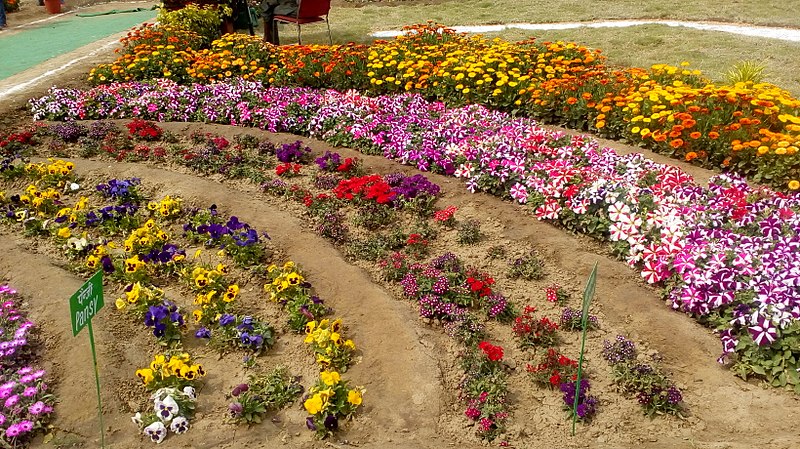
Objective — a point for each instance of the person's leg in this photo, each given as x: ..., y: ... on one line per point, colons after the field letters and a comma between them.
x: 2, y: 14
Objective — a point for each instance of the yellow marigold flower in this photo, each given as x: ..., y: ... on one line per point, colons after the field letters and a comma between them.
x: 794, y: 184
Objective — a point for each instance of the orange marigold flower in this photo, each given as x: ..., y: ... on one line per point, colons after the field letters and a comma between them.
x: 695, y: 135
x: 690, y: 155
x: 713, y: 135
x: 677, y: 143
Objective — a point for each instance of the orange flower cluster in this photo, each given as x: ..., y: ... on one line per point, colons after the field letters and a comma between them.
x: 750, y: 129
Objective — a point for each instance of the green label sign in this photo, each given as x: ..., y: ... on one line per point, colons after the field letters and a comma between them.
x: 86, y: 302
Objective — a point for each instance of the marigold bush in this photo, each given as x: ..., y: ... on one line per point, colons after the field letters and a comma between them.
x: 752, y: 129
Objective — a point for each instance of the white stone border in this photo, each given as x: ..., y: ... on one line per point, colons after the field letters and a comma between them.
x: 786, y: 34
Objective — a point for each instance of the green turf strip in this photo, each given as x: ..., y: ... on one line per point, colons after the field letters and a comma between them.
x: 29, y: 47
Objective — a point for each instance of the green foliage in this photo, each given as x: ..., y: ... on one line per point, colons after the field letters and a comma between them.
x: 777, y: 363
x: 469, y: 232
x: 496, y: 252
x: 264, y: 393
x: 204, y: 21
x: 528, y: 267
x: 746, y: 72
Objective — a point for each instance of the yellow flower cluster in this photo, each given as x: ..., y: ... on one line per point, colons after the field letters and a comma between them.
x: 284, y: 281
x: 331, y: 349
x: 41, y: 201
x: 213, y: 291
x: 173, y: 371
x: 51, y: 168
x: 93, y: 259
x: 145, y: 237
x: 167, y: 208
x: 232, y: 55
x: 325, y: 394
x: 138, y: 295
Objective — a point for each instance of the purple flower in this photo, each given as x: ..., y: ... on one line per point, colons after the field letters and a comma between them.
x: 203, y: 332
x: 226, y: 319
x: 331, y: 423
x: 310, y: 423
x: 11, y: 401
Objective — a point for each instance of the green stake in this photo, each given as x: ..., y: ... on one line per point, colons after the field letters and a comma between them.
x: 97, y: 384
x: 83, y: 306
x: 588, y: 292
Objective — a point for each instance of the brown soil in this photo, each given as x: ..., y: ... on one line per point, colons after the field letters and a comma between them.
x: 408, y: 367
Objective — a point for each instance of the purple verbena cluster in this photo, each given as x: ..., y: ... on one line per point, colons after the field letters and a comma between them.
x: 329, y: 161
x: 292, y: 152
x: 620, y: 351
x: 587, y: 404
x: 68, y: 131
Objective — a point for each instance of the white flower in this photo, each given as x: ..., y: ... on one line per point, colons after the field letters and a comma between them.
x: 156, y: 431
x: 189, y: 392
x: 74, y: 186
x: 77, y: 244
x: 179, y: 425
x: 137, y: 419
x: 166, y: 409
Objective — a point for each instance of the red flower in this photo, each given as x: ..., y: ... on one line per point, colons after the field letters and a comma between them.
x: 493, y: 353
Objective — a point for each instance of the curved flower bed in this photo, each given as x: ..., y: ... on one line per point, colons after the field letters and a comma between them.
x: 135, y: 243
x: 750, y: 129
x: 726, y: 253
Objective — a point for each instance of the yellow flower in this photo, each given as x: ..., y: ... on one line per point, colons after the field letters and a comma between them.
x: 330, y: 378
x: 145, y: 374
x: 230, y: 295
x: 198, y: 315
x: 310, y: 326
x: 314, y: 404
x: 336, y: 338
x: 354, y: 397
x: 201, y: 281
x: 120, y: 303
x: 794, y: 184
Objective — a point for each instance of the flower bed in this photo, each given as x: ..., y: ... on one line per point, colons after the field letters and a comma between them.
x: 26, y: 402
x: 138, y: 244
x: 750, y: 129
x: 726, y: 253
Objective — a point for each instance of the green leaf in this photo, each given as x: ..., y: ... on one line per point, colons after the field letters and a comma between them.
x: 758, y: 369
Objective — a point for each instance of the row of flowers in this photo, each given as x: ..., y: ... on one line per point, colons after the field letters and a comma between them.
x: 25, y: 400
x: 750, y: 129
x: 726, y: 253
x: 146, y: 252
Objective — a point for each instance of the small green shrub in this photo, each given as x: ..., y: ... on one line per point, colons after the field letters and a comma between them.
x: 746, y: 71
x: 528, y: 267
x: 469, y: 232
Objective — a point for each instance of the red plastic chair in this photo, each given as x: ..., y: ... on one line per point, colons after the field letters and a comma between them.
x: 309, y: 11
